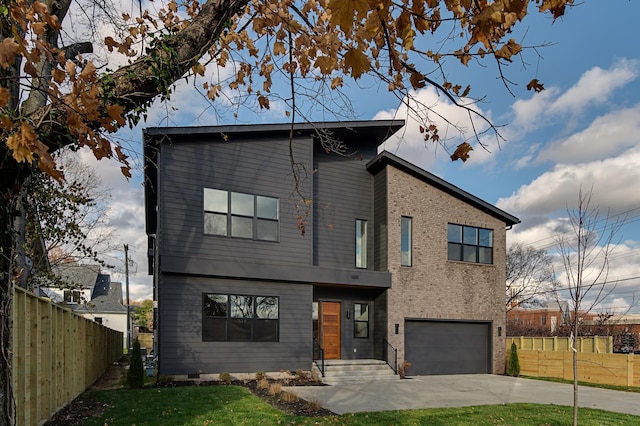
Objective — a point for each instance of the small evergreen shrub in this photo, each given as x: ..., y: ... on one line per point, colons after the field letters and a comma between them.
x: 225, y: 378
x: 135, y: 375
x: 513, y: 365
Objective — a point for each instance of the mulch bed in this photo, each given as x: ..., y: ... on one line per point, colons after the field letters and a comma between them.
x: 83, y: 407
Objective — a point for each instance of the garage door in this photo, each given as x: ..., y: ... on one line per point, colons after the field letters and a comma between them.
x: 447, y: 347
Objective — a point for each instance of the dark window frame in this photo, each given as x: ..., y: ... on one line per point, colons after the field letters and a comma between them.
x: 408, y: 262
x: 258, y: 219
x: 240, y: 327
x: 363, y: 245
x: 469, y: 244
x: 356, y: 321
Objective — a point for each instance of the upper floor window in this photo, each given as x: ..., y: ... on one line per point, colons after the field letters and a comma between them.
x: 405, y: 241
x: 361, y: 243
x: 72, y: 296
x: 470, y: 244
x: 234, y: 214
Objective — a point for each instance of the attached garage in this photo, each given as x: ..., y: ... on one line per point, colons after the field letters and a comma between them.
x: 447, y: 347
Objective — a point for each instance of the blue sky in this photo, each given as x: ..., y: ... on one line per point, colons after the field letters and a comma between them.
x: 583, y: 130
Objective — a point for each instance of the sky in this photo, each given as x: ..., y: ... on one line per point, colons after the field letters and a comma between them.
x: 581, y: 133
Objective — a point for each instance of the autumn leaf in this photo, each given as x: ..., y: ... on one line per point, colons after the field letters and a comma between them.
x: 336, y: 82
x: 263, y: 101
x: 4, y: 97
x: 115, y: 113
x: 343, y: 12
x: 22, y: 143
x: 278, y: 48
x: 508, y: 50
x: 462, y: 152
x: 417, y: 80
x: 325, y: 64
x: 534, y: 84
x: 357, y: 61
x: 8, y: 49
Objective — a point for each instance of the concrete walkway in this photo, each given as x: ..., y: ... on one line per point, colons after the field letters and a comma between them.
x: 460, y: 391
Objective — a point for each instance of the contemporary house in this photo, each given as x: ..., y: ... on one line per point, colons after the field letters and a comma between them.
x: 268, y: 242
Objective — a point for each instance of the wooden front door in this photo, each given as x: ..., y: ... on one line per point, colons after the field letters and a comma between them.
x: 330, y: 329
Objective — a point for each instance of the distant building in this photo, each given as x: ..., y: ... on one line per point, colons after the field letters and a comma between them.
x: 91, y: 294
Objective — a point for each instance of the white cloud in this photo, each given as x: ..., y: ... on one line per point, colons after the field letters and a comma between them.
x: 614, y: 182
x: 606, y: 136
x: 595, y: 86
x: 409, y: 143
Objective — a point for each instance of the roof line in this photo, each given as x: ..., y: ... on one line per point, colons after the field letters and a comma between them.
x: 385, y: 157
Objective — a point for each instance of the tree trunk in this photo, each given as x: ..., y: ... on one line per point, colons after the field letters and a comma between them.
x: 575, y: 369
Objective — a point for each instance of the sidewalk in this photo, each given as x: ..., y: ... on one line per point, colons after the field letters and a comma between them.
x: 459, y: 391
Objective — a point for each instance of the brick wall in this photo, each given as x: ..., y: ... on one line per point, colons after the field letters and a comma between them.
x: 434, y: 287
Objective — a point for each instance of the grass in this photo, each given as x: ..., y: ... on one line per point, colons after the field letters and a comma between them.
x: 234, y: 405
x: 589, y: 384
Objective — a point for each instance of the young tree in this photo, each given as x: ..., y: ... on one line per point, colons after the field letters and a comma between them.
x: 52, y: 95
x: 66, y: 220
x: 530, y: 276
x: 585, y: 250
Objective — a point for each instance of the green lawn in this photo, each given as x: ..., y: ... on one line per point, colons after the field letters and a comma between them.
x: 233, y: 405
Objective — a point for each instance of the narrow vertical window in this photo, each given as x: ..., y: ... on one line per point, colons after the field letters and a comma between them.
x: 405, y: 241
x: 361, y: 321
x: 361, y: 243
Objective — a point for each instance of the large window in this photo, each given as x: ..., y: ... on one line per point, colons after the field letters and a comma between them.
x: 361, y: 320
x: 72, y: 296
x: 239, y: 318
x: 405, y: 241
x: 361, y: 243
x: 233, y: 214
x: 470, y: 244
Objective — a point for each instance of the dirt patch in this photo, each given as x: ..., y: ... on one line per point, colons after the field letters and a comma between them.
x: 82, y: 408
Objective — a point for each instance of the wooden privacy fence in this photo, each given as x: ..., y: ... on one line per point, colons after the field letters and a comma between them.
x: 56, y: 356
x: 591, y: 344
x: 609, y: 369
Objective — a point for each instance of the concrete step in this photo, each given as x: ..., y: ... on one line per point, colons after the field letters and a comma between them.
x: 357, y: 371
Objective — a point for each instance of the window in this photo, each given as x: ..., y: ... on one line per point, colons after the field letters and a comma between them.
x: 470, y: 244
x: 361, y: 321
x: 72, y: 296
x: 239, y: 215
x: 405, y: 241
x: 544, y: 320
x: 361, y: 243
x: 240, y: 318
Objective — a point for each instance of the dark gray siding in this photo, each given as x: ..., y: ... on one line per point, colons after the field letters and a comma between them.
x: 381, y: 221
x: 260, y: 167
x: 364, y: 348
x: 182, y: 350
x: 342, y: 194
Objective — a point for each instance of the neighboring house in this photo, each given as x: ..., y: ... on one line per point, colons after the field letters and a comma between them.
x: 388, y: 255
x: 79, y: 280
x: 521, y: 321
x: 105, y: 306
x: 90, y: 294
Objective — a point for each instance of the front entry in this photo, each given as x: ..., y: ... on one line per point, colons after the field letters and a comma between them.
x: 330, y: 329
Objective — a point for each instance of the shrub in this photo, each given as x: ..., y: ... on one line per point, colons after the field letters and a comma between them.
x: 135, y: 375
x: 263, y: 383
x: 403, y: 369
x: 301, y: 376
x: 275, y: 388
x: 288, y: 397
x: 261, y: 375
x: 225, y: 378
x: 513, y: 365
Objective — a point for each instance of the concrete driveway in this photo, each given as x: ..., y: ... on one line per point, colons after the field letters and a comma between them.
x: 460, y: 391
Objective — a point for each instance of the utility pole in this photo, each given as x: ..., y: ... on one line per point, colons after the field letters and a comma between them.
x: 126, y: 273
